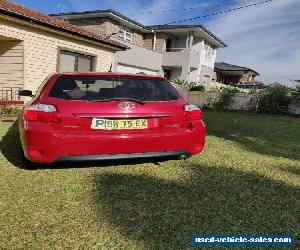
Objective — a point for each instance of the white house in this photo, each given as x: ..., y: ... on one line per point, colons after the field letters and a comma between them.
x: 184, y: 51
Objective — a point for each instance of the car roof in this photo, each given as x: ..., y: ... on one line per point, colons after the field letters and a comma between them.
x: 110, y: 74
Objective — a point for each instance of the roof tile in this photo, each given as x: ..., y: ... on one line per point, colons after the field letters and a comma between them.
x: 10, y: 7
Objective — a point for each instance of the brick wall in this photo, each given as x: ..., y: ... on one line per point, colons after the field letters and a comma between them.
x: 244, y: 78
x: 106, y: 26
x: 111, y: 26
x: 138, y: 38
x: 98, y: 25
x: 160, y: 45
x: 148, y: 41
x: 248, y: 77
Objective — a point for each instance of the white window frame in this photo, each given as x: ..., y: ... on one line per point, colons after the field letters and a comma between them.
x: 125, y: 34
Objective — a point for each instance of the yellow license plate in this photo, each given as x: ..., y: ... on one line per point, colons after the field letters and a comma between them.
x: 108, y: 124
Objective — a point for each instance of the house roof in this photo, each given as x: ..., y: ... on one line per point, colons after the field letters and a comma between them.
x: 12, y: 9
x: 167, y: 26
x: 107, y: 11
x: 230, y: 67
x: 127, y: 19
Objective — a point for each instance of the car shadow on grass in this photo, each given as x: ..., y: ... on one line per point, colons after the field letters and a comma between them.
x: 164, y: 214
x: 264, y: 134
x: 10, y: 146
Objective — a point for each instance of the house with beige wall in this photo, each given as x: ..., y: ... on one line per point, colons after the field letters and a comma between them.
x: 184, y: 51
x: 33, y: 45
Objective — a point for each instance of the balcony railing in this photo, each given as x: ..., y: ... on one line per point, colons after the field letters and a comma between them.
x: 9, y: 94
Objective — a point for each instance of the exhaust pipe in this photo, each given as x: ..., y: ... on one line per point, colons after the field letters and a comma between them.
x: 182, y: 157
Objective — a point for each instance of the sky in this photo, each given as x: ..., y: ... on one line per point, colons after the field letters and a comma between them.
x: 265, y: 37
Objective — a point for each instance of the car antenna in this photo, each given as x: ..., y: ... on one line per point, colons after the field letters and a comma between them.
x: 110, y: 69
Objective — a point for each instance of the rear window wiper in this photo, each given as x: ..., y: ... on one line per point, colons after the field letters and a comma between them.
x: 120, y: 98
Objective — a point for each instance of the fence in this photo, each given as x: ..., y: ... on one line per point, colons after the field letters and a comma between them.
x: 240, y: 101
x: 9, y: 94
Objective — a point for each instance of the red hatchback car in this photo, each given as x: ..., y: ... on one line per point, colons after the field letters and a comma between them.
x: 96, y: 116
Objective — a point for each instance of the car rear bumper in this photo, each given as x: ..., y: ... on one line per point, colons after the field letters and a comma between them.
x: 123, y: 156
x: 40, y: 144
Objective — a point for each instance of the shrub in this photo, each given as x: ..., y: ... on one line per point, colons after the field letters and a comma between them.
x: 217, y: 87
x: 274, y: 99
x: 225, y: 98
x: 198, y: 88
x: 185, y: 84
x: 208, y: 105
x: 190, y: 85
x: 179, y: 82
x: 295, y: 95
x: 9, y: 111
x: 254, y: 91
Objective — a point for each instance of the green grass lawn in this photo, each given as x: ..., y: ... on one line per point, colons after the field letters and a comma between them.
x: 247, y: 181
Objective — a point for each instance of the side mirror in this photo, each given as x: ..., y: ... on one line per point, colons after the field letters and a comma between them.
x: 25, y: 92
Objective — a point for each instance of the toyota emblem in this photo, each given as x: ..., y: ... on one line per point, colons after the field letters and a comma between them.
x: 127, y: 106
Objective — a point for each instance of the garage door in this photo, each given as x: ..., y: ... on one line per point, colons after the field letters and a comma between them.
x: 134, y: 70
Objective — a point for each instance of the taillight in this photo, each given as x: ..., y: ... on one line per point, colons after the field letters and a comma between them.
x: 41, y: 113
x: 192, y: 112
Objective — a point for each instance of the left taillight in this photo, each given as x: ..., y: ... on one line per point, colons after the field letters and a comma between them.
x: 193, y: 112
x: 41, y: 113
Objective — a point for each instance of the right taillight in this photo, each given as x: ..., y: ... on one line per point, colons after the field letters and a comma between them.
x: 192, y: 112
x: 41, y: 113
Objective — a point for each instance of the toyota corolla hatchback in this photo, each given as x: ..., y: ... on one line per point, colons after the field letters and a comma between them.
x: 96, y: 116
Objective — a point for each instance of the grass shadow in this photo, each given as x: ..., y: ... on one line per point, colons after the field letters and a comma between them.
x: 163, y: 214
x: 264, y: 134
x: 10, y: 147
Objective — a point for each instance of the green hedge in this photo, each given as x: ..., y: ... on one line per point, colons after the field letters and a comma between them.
x: 276, y: 99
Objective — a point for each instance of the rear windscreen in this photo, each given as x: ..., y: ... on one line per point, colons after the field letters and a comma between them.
x: 102, y: 88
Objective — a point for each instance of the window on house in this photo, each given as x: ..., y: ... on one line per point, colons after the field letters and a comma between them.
x: 125, y: 34
x: 71, y: 61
